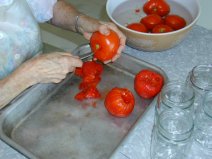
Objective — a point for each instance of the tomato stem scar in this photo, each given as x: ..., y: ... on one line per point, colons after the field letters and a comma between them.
x: 97, y: 46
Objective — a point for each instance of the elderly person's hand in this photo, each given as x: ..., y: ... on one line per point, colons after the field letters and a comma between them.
x: 87, y: 25
x: 46, y: 68
x: 52, y: 67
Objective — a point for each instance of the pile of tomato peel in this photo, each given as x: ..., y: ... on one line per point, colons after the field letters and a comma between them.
x: 90, y: 73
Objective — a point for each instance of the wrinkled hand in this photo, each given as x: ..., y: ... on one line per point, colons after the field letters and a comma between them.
x: 51, y: 67
x: 89, y: 25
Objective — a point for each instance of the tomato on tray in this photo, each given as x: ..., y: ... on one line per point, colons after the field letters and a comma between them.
x: 104, y: 47
x: 175, y: 21
x: 88, y: 93
x: 148, y: 83
x: 159, y: 7
x: 119, y: 102
x: 137, y: 27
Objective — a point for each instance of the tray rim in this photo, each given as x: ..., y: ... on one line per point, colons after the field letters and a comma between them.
x: 6, y: 110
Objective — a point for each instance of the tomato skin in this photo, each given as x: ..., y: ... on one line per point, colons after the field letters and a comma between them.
x: 119, y: 102
x: 137, y: 27
x: 148, y: 83
x: 89, y: 68
x: 162, y: 28
x: 92, y: 68
x: 88, y: 93
x: 90, y: 73
x: 175, y: 21
x: 150, y: 21
x: 104, y: 47
x: 89, y: 81
x: 159, y: 7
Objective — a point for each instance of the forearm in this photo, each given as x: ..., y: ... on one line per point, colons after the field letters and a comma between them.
x: 64, y: 15
x: 12, y: 86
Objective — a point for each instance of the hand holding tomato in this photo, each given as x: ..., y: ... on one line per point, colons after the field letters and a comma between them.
x: 148, y: 83
x: 104, y: 47
x: 120, y: 102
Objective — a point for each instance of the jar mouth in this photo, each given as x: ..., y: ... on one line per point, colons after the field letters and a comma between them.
x: 177, y: 94
x: 175, y: 124
x: 197, y: 73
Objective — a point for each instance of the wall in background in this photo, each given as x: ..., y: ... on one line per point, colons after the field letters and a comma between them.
x: 206, y: 13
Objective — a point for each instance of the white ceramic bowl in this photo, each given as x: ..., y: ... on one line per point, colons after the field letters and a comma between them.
x: 123, y: 12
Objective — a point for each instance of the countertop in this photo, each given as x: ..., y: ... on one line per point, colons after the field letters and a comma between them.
x: 176, y: 62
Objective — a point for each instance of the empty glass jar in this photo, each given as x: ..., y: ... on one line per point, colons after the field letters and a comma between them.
x: 175, y: 94
x: 203, y: 123
x: 171, y: 136
x: 200, y: 78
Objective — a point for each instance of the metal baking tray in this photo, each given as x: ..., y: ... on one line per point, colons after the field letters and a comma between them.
x: 46, y: 121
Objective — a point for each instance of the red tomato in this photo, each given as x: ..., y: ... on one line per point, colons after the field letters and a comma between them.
x: 89, y: 81
x: 137, y: 27
x: 104, y: 47
x: 88, y: 93
x: 175, y: 21
x: 161, y: 28
x: 119, y: 102
x: 159, y: 7
x: 151, y: 20
x: 90, y: 73
x: 78, y: 71
x: 148, y: 83
x: 92, y: 68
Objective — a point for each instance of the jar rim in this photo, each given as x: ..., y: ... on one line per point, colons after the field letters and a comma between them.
x: 177, y: 83
x: 201, y: 85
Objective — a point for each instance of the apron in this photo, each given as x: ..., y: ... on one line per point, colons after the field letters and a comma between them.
x: 20, y: 37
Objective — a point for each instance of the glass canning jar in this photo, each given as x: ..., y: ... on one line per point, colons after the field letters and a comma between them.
x: 175, y: 94
x: 200, y: 78
x: 203, y: 123
x: 171, y: 135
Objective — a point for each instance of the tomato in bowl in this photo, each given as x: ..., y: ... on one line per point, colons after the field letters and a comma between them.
x: 124, y: 12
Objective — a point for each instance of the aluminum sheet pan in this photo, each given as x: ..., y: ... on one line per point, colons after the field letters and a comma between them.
x: 46, y: 121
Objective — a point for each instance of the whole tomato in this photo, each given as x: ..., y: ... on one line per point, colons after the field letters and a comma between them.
x: 137, y: 27
x: 104, y: 47
x: 150, y: 21
x: 119, y: 102
x: 148, y: 83
x: 159, y: 7
x: 162, y: 28
x: 175, y: 21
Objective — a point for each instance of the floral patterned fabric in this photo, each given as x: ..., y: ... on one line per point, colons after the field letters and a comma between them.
x: 19, y: 31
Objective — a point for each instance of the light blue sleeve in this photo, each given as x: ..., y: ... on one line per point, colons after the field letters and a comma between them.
x: 42, y: 9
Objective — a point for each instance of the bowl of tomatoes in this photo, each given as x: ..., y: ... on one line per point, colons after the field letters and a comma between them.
x: 154, y: 25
